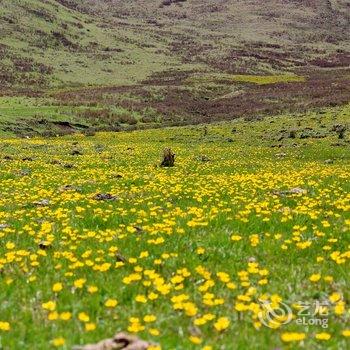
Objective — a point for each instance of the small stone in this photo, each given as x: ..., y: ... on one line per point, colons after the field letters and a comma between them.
x: 42, y: 203
x: 119, y: 257
x: 44, y: 245
x: 68, y: 165
x: 70, y: 188
x: 296, y: 190
x: 121, y: 341
x: 292, y: 134
x: 104, y: 197
x: 204, y: 159
x: 281, y: 155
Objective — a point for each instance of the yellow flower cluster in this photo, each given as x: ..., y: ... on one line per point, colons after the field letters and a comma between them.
x: 188, y: 256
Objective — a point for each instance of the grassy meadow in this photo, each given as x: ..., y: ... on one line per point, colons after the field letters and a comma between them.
x: 244, y: 243
x: 97, y: 238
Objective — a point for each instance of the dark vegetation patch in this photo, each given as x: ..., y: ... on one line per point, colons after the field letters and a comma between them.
x: 42, y: 127
x: 340, y: 59
x: 41, y: 13
x: 61, y: 39
x: 71, y: 4
x: 177, y: 103
x: 17, y: 71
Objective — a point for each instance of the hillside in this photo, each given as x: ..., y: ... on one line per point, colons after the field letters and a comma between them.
x: 46, y: 44
x: 181, y: 61
x: 174, y: 174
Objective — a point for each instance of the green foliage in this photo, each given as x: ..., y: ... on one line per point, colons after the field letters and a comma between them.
x: 86, y: 220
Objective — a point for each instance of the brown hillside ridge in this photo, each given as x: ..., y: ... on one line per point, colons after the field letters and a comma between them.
x: 176, y: 62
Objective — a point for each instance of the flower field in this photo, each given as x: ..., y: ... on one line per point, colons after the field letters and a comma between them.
x: 223, y: 251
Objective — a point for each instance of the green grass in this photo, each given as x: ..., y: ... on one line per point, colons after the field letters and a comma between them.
x: 34, y: 40
x: 184, y: 218
x: 18, y: 113
x: 253, y: 79
x: 123, y: 45
x: 26, y: 116
x: 267, y: 79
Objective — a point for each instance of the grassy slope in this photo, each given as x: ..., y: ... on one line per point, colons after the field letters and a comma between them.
x: 297, y: 26
x: 142, y: 37
x: 114, y: 65
x: 74, y: 45
x: 217, y: 189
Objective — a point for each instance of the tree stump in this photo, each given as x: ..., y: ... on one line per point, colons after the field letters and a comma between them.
x: 168, y: 158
